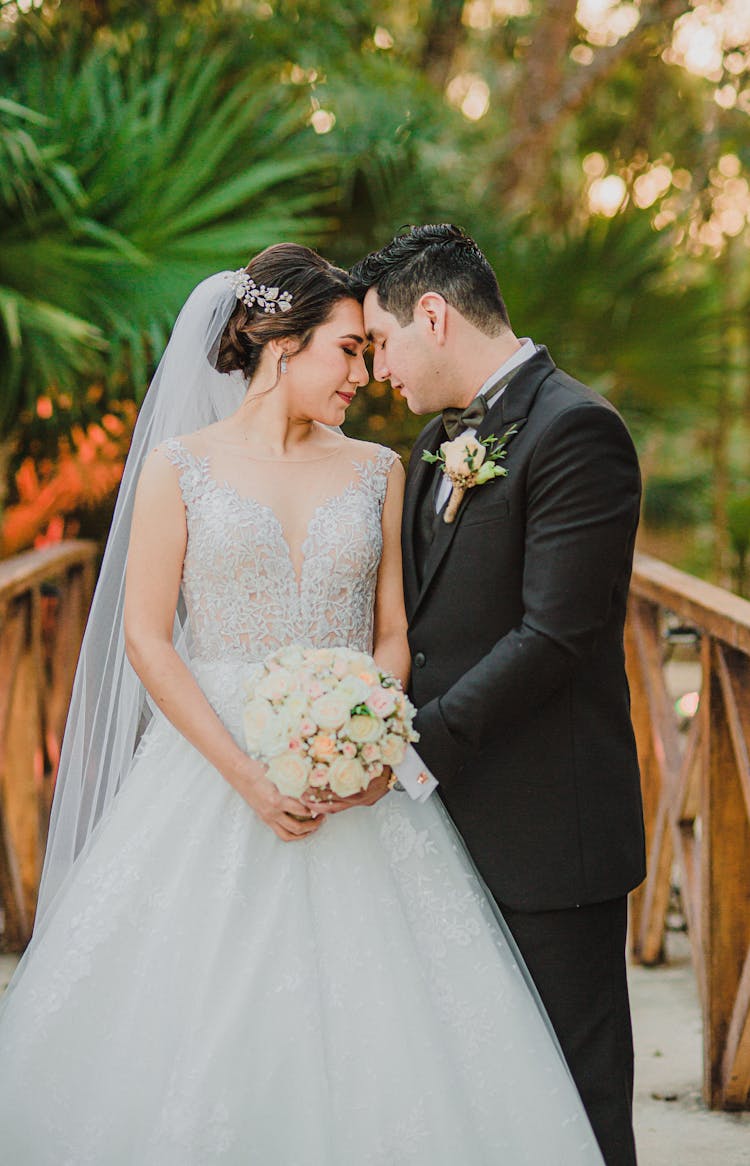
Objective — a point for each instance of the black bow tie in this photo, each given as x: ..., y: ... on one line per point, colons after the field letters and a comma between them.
x: 456, y: 420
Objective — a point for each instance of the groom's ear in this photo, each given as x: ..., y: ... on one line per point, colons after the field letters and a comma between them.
x: 430, y: 314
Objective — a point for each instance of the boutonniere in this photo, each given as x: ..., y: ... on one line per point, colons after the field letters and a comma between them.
x: 468, y: 462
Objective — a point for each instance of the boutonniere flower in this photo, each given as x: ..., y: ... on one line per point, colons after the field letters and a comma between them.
x: 467, y: 462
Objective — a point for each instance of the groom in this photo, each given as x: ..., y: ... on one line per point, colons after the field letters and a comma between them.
x: 516, y: 612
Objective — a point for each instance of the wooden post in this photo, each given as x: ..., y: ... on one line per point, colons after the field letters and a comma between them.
x: 697, y: 793
x: 38, y: 649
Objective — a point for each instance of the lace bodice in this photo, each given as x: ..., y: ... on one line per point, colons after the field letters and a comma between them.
x: 244, y: 595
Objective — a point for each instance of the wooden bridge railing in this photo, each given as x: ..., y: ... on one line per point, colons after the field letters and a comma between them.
x: 696, y: 787
x: 696, y: 782
x: 44, y: 600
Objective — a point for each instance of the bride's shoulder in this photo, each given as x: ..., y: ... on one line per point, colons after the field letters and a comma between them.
x: 185, y: 450
x: 371, y: 451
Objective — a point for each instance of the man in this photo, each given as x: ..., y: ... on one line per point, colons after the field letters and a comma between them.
x: 516, y: 611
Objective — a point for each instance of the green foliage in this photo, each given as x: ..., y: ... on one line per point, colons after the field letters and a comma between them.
x: 147, y: 171
x: 144, y: 146
x: 605, y: 299
x: 674, y: 503
x: 738, y: 512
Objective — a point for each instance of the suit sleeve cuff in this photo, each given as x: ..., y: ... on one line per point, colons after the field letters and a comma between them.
x: 437, y: 746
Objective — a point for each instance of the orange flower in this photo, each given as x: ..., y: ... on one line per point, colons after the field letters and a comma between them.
x: 113, y: 424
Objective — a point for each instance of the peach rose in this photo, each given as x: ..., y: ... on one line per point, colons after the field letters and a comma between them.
x: 392, y: 749
x: 359, y: 662
x: 459, y: 452
x: 382, y: 701
x: 323, y: 747
x: 370, y: 753
x: 319, y: 776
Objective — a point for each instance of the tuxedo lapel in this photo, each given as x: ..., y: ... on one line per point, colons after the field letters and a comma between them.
x: 515, y: 404
x: 419, y: 474
x: 512, y: 408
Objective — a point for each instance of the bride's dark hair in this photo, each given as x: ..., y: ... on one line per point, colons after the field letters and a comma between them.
x: 315, y: 286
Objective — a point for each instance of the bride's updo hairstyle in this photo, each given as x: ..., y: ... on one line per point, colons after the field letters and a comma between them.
x: 315, y: 287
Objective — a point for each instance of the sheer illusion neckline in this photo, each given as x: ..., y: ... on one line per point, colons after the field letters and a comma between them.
x: 297, y: 568
x: 296, y: 557
x: 274, y: 460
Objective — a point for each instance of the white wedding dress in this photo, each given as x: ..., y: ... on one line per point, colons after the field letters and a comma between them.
x: 202, y: 993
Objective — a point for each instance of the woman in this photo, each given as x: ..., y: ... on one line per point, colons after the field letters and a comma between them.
x: 221, y: 974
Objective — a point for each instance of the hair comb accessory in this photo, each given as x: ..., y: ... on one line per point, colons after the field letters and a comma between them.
x: 268, y: 299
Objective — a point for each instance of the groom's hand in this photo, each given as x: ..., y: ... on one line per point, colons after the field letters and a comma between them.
x: 377, y: 789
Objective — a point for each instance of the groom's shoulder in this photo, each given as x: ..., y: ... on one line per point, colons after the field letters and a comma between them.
x: 564, y: 393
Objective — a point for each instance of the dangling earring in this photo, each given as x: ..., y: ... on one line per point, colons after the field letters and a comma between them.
x: 283, y: 364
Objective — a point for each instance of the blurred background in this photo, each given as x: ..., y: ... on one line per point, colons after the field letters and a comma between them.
x: 598, y: 151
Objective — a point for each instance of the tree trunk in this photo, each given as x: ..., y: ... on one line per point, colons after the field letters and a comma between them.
x: 443, y: 36
x: 549, y: 92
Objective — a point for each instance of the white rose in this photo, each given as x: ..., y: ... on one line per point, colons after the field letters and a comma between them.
x: 330, y: 710
x: 320, y: 658
x: 362, y: 728
x: 457, y: 453
x: 275, y: 685
x: 346, y: 776
x: 290, y: 658
x: 392, y: 749
x: 360, y: 662
x: 289, y: 772
x: 275, y: 737
x: 354, y: 690
x: 255, y: 720
x: 295, y: 706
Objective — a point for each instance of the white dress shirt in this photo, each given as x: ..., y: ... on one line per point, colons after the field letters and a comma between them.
x: 519, y: 357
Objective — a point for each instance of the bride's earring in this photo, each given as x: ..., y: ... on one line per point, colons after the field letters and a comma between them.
x: 284, y: 361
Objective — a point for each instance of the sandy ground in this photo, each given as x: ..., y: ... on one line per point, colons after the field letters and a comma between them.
x: 673, y: 1127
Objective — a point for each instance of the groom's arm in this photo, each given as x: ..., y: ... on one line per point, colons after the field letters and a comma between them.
x: 582, y: 510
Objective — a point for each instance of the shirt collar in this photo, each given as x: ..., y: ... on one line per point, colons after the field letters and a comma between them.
x: 519, y: 357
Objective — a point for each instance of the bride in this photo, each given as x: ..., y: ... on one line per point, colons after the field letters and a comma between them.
x: 220, y: 974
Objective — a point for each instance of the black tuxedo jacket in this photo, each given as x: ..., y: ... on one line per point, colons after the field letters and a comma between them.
x: 516, y: 615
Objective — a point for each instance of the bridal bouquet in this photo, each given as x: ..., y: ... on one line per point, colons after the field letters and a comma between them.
x: 326, y: 719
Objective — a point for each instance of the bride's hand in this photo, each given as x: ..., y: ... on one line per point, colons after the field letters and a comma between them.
x: 289, y: 818
x: 332, y: 804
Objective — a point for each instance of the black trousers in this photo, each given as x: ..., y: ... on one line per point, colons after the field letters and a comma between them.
x: 576, y: 958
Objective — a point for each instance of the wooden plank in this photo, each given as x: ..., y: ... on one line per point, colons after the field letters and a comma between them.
x: 16, y: 922
x: 735, y: 1070
x: 26, y: 571
x: 734, y: 676
x: 724, y: 616
x: 12, y: 637
x: 23, y: 777
x: 725, y: 885
x: 39, y: 643
x: 659, y: 757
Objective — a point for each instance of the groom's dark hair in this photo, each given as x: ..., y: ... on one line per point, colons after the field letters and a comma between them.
x: 436, y: 257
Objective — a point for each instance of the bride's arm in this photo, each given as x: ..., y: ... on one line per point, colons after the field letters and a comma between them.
x: 390, y: 645
x: 391, y: 648
x: 155, y: 557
